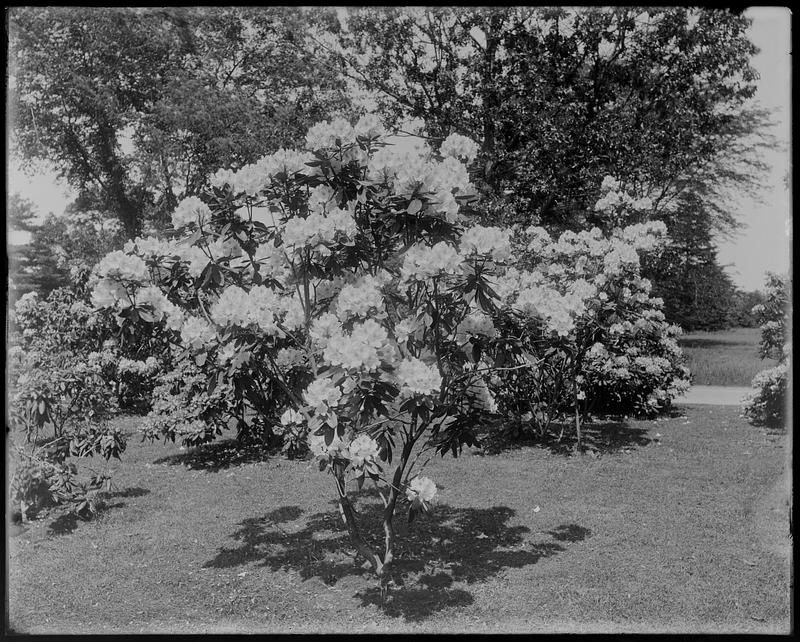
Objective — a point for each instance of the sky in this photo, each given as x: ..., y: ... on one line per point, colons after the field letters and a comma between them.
x: 762, y: 245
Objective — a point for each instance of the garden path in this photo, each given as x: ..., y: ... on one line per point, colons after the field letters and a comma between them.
x: 714, y: 395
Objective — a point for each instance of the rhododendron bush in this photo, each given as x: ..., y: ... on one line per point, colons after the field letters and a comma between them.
x: 341, y: 297
x: 767, y: 403
x: 61, y: 376
x: 599, y: 341
x: 333, y: 294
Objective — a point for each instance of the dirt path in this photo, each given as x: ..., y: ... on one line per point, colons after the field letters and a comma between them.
x: 714, y: 395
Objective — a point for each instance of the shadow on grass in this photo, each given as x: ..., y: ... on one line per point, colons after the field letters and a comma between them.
x: 68, y: 522
x: 219, y: 456
x: 450, y: 545
x: 713, y: 343
x: 603, y: 437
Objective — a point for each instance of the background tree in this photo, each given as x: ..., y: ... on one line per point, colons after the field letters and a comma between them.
x: 136, y: 107
x: 698, y: 294
x: 20, y: 217
x: 742, y: 308
x: 63, y: 249
x: 560, y: 98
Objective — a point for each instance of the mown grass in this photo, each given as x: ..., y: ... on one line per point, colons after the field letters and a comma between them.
x: 675, y: 525
x: 724, y: 358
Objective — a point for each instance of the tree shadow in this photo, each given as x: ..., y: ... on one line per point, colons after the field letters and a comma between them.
x: 68, y: 522
x: 446, y: 547
x: 607, y: 436
x: 218, y: 456
x: 134, y: 491
x: 711, y: 343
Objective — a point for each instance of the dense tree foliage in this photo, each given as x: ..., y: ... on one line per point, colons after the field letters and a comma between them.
x: 560, y: 98
x: 61, y: 250
x: 137, y: 107
x: 697, y: 292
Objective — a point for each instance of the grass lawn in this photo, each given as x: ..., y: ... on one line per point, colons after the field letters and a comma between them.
x: 724, y: 358
x: 676, y: 525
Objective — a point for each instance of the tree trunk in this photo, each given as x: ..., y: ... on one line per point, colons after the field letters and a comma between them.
x: 348, y: 516
x: 578, y: 444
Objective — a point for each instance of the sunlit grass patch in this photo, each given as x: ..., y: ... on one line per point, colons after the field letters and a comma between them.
x: 724, y: 358
x: 673, y: 525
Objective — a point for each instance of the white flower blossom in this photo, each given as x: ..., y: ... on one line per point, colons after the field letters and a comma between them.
x: 422, y: 489
x: 190, y: 210
x: 417, y: 378
x: 459, y: 146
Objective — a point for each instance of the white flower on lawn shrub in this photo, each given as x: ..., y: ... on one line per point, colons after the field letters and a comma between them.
x: 488, y: 241
x: 363, y: 349
x: 223, y: 177
x: 417, y: 378
x: 318, y: 228
x: 288, y: 358
x: 361, y: 299
x: 459, y: 146
x: 321, y: 198
x: 317, y: 445
x: 407, y: 327
x: 362, y: 449
x: 122, y: 266
x: 106, y: 294
x: 322, y: 394
x: 325, y: 135
x: 148, y: 247
x: 609, y: 184
x: 197, y: 333
x: 421, y: 489
x: 449, y: 175
x: 236, y: 307
x: 190, y: 210
x: 194, y: 257
x: 272, y: 262
x: 325, y: 327
x: 286, y: 161
x: 422, y: 262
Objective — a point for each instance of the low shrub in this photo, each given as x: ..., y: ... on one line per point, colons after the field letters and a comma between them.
x: 767, y: 404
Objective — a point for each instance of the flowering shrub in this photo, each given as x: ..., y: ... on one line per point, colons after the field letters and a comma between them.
x: 335, y: 296
x: 599, y: 341
x: 68, y: 376
x: 60, y: 407
x: 772, y: 316
x: 65, y: 327
x: 767, y: 404
x: 341, y: 295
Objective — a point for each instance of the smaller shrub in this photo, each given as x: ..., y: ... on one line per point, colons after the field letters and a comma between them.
x: 768, y: 403
x: 62, y: 392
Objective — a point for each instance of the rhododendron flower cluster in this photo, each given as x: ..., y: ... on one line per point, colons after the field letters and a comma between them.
x: 417, y: 378
x: 190, y: 210
x: 422, y: 490
x: 487, y: 241
x: 459, y: 147
x: 423, y: 262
